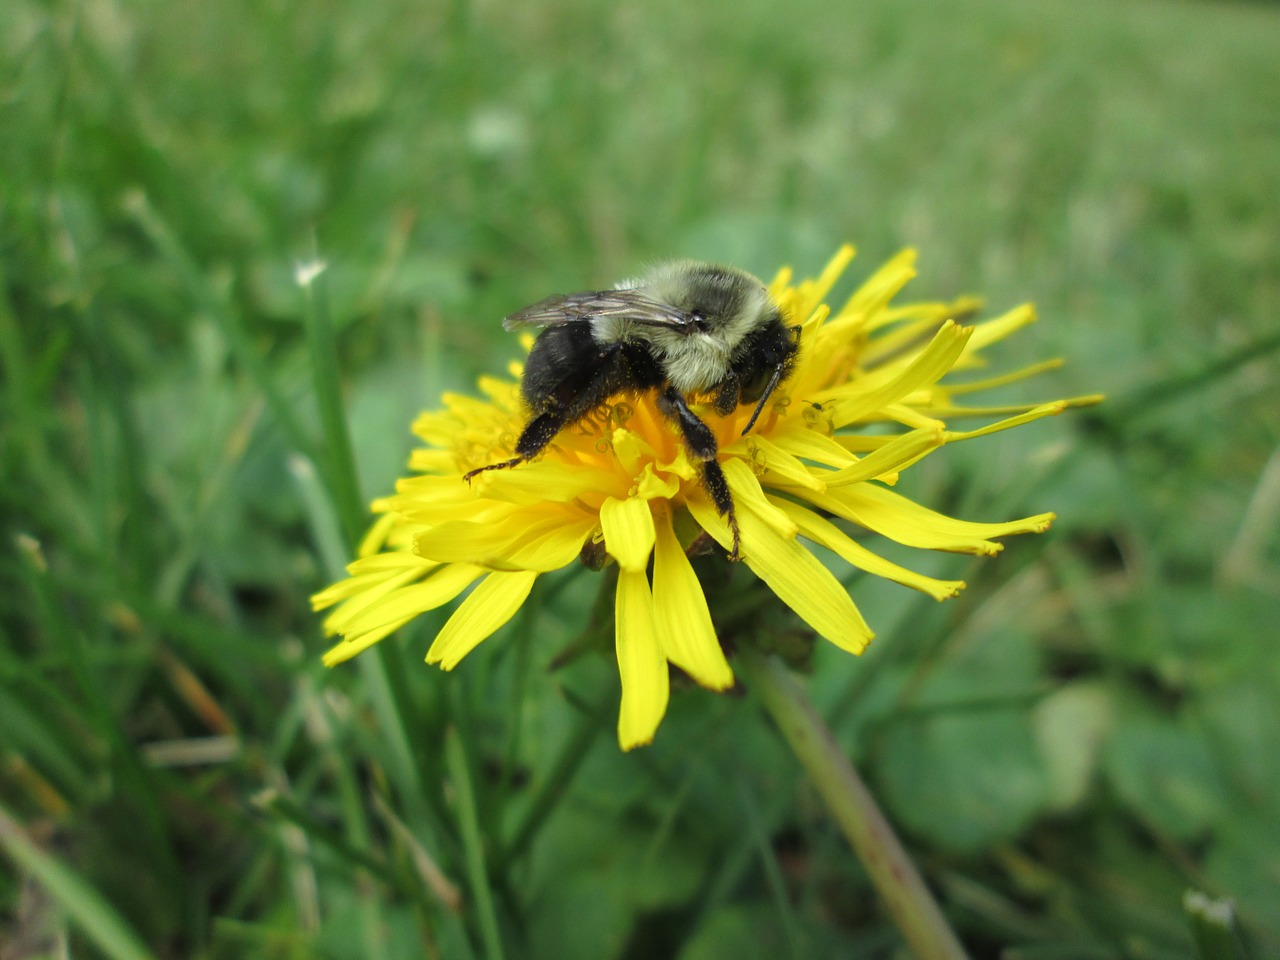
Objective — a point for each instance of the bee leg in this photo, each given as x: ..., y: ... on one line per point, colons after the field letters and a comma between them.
x: 728, y: 394
x: 697, y: 435
x: 702, y: 444
x: 504, y: 465
x: 713, y: 479
x: 539, y: 432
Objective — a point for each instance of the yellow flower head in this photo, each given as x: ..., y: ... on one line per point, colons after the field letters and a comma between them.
x: 618, y: 480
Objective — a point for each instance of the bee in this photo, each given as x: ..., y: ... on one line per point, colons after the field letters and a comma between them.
x: 685, y: 331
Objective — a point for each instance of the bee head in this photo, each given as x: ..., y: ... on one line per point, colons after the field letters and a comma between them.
x: 724, y: 303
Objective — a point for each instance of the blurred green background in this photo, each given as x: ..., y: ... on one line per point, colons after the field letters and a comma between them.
x: 1091, y: 730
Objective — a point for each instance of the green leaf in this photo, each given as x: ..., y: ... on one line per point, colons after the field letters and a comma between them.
x: 747, y: 931
x: 964, y: 781
x: 1071, y: 726
x: 596, y: 873
x: 1165, y: 769
x: 966, y: 769
x: 1243, y: 862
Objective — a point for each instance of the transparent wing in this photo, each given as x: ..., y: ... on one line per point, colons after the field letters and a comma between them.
x: 623, y: 304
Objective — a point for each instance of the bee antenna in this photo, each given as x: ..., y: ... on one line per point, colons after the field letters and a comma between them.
x: 764, y: 397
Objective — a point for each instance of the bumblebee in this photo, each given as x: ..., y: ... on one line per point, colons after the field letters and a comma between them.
x: 685, y: 331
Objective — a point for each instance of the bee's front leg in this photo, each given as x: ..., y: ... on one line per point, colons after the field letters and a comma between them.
x: 702, y: 445
x: 539, y: 432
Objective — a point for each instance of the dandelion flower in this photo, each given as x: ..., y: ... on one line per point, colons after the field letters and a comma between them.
x: 867, y: 399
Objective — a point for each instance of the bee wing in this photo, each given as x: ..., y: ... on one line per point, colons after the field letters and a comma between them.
x: 623, y: 304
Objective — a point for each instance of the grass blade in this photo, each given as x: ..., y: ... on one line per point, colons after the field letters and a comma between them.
x: 86, y: 907
x: 473, y: 845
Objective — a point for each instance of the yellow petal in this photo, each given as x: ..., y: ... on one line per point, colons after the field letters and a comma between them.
x: 631, y: 449
x: 680, y: 611
x: 823, y: 531
x: 889, y: 346
x: 552, y: 550
x: 678, y: 464
x: 872, y: 296
x: 368, y: 586
x: 908, y: 416
x: 656, y: 485
x: 467, y: 541
x: 372, y: 541
x: 897, y: 455
x: 368, y: 612
x: 359, y: 642
x: 930, y: 311
x: 745, y: 488
x: 490, y: 605
x: 705, y: 515
x: 501, y: 545
x: 545, y: 481
x: 781, y: 282
x: 809, y: 444
x: 801, y: 299
x: 811, y: 325
x: 1043, y: 410
x: 780, y: 465
x: 503, y: 391
x: 794, y: 574
x: 857, y: 402
x: 628, y: 532
x: 426, y: 512
x: 990, y: 383
x: 909, y: 523
x: 866, y: 443
x: 991, y: 331
x: 390, y: 562
x: 817, y: 290
x: 449, y: 489
x: 641, y: 665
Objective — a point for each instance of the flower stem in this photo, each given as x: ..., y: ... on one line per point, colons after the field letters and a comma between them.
x: 850, y: 802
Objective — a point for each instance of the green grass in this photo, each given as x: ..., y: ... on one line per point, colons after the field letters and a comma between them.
x: 1090, y: 731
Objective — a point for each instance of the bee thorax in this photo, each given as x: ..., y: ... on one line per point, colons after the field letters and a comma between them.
x: 695, y: 364
x: 609, y: 330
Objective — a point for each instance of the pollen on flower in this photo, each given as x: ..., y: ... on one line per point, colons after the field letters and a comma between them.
x: 870, y: 394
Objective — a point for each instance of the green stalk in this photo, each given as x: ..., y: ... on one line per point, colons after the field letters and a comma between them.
x: 473, y: 845
x: 345, y: 486
x: 1175, y: 387
x: 850, y: 802
x: 1214, y: 927
x: 385, y: 685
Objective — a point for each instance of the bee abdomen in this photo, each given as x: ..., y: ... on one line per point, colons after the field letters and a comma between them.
x: 569, y: 373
